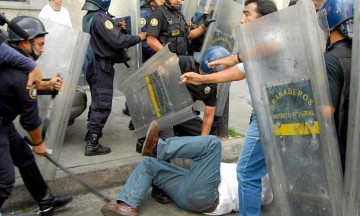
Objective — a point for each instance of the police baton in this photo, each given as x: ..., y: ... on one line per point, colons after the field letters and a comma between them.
x: 73, y: 175
x: 14, y: 27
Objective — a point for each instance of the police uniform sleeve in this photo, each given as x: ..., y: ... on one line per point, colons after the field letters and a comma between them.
x: 211, y: 99
x: 29, y: 113
x: 156, y: 22
x: 105, y: 28
x: 335, y: 77
x: 11, y: 57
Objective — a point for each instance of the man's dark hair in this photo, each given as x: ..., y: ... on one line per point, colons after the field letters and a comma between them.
x: 264, y: 7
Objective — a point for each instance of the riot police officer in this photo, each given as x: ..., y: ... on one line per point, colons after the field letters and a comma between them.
x: 205, y: 92
x: 107, y: 44
x: 10, y: 57
x: 336, y: 19
x: 167, y: 26
x: 203, y: 16
x: 16, y: 100
x: 147, y: 7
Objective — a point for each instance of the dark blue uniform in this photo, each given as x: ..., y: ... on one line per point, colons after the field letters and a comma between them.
x: 145, y: 12
x: 107, y: 42
x: 15, y: 100
x: 10, y: 57
x: 169, y: 27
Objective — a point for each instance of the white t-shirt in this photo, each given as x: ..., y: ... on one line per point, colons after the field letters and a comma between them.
x: 247, y: 93
x: 228, y: 190
x: 62, y: 16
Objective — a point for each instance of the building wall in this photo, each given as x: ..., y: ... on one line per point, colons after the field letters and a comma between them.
x: 73, y: 6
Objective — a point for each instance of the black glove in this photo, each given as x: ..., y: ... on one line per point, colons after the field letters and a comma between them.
x: 209, y: 19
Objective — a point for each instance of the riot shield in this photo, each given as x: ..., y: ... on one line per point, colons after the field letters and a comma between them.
x: 153, y: 92
x: 64, y: 48
x: 287, y: 79
x: 281, y: 4
x: 352, y: 174
x: 189, y: 8
x: 123, y: 9
x: 222, y: 33
x: 240, y: 1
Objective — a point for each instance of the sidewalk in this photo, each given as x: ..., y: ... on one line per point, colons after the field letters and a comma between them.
x: 108, y: 172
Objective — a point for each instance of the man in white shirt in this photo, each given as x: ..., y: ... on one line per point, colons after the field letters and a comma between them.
x: 208, y: 187
x: 55, y: 12
x: 251, y: 165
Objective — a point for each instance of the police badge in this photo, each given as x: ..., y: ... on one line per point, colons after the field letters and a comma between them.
x: 207, y: 89
x: 33, y: 92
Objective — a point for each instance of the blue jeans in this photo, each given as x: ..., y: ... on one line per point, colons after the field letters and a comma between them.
x: 194, y: 189
x: 251, y: 168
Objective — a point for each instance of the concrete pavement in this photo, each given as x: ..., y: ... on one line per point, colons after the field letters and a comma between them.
x: 109, y: 172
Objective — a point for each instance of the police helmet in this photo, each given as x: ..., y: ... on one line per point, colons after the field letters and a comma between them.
x: 95, y: 5
x: 337, y: 14
x: 212, y: 54
x: 31, y: 25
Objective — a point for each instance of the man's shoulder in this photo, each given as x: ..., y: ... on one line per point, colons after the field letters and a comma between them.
x: 102, y: 14
x: 157, y: 12
x: 103, y: 19
x: 46, y: 8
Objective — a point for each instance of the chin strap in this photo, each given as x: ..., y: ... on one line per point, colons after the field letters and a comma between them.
x: 34, y: 54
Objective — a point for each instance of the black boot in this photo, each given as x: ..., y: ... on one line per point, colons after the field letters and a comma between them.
x: 39, y: 190
x: 93, y: 147
x: 2, y: 200
x: 160, y: 196
x: 140, y: 144
x: 131, y: 125
x: 87, y: 136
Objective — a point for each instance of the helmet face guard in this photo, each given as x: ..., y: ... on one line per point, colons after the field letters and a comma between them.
x: 31, y: 25
x: 346, y: 28
x: 212, y: 54
x: 332, y: 13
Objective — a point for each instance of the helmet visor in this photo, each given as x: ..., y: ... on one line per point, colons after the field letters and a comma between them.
x: 323, y: 21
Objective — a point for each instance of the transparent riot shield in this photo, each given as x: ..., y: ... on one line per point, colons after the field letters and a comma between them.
x: 222, y: 33
x: 352, y: 174
x: 153, y: 92
x: 281, y: 4
x: 189, y: 8
x: 64, y: 52
x: 288, y: 84
x: 123, y: 9
x: 127, y: 10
